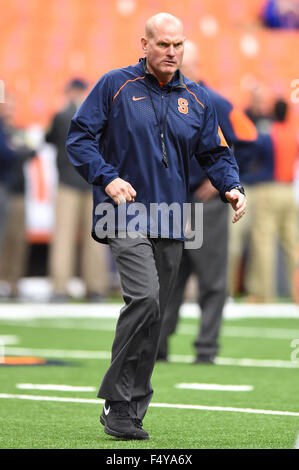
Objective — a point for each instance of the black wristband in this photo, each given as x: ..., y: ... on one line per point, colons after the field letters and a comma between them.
x: 241, y: 189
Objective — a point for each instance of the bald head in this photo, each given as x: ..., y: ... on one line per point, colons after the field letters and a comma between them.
x: 190, y: 63
x: 163, y: 45
x: 161, y: 20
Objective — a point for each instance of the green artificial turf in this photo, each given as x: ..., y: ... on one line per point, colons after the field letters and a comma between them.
x: 26, y: 424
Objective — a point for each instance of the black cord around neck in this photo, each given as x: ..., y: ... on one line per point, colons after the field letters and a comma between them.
x: 161, y: 126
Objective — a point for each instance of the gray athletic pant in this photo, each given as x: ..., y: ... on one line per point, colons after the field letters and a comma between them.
x: 209, y: 263
x: 147, y: 268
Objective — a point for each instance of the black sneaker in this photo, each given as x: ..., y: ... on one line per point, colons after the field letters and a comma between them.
x: 204, y: 359
x: 138, y: 423
x: 118, y: 422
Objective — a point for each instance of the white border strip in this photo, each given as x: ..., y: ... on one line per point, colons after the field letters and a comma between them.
x: 215, y: 387
x: 188, y: 310
x: 45, y: 310
x: 154, y: 405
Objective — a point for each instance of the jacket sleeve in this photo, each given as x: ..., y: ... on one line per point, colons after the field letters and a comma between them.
x: 235, y: 125
x: 242, y: 128
x: 86, y: 129
x: 53, y: 132
x: 243, y: 135
x: 214, y: 155
x: 7, y: 155
x: 261, y: 168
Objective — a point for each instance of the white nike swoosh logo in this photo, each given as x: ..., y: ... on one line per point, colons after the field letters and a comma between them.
x: 106, y: 411
x: 137, y: 99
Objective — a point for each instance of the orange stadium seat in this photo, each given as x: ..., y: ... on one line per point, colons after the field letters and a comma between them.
x: 43, y: 44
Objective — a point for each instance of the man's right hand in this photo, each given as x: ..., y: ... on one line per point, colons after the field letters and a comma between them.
x: 120, y: 191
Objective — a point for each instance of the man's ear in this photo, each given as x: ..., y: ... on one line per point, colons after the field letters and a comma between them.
x: 144, y: 44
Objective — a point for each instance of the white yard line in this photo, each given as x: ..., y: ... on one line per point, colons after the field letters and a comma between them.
x: 154, y: 405
x: 9, y: 339
x: 192, y: 386
x: 224, y: 361
x: 215, y: 387
x: 188, y: 310
x: 60, y: 388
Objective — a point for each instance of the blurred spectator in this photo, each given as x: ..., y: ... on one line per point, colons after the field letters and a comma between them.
x: 276, y: 213
x: 259, y: 109
x: 281, y: 14
x: 12, y: 261
x: 7, y: 159
x: 240, y: 275
x: 73, y: 209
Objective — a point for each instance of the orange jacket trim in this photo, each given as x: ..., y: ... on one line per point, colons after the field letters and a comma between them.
x: 133, y: 80
x: 242, y: 125
x: 222, y: 138
x: 193, y: 95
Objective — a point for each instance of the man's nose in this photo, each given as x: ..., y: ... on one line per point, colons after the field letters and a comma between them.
x: 171, y: 51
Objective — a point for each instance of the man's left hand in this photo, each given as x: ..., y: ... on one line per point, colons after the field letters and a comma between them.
x: 238, y: 202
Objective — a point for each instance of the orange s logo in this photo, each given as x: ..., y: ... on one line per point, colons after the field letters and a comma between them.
x: 183, y: 106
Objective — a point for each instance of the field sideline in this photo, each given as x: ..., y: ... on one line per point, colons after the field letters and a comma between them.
x: 248, y: 400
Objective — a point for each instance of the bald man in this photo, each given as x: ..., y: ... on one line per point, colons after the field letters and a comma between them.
x: 209, y: 262
x: 133, y: 139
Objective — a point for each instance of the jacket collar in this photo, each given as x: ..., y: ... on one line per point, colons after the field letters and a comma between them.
x: 178, y: 76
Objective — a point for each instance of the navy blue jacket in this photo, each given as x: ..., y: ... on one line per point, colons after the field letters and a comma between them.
x: 243, y: 145
x: 115, y: 134
x: 261, y: 168
x: 7, y: 157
